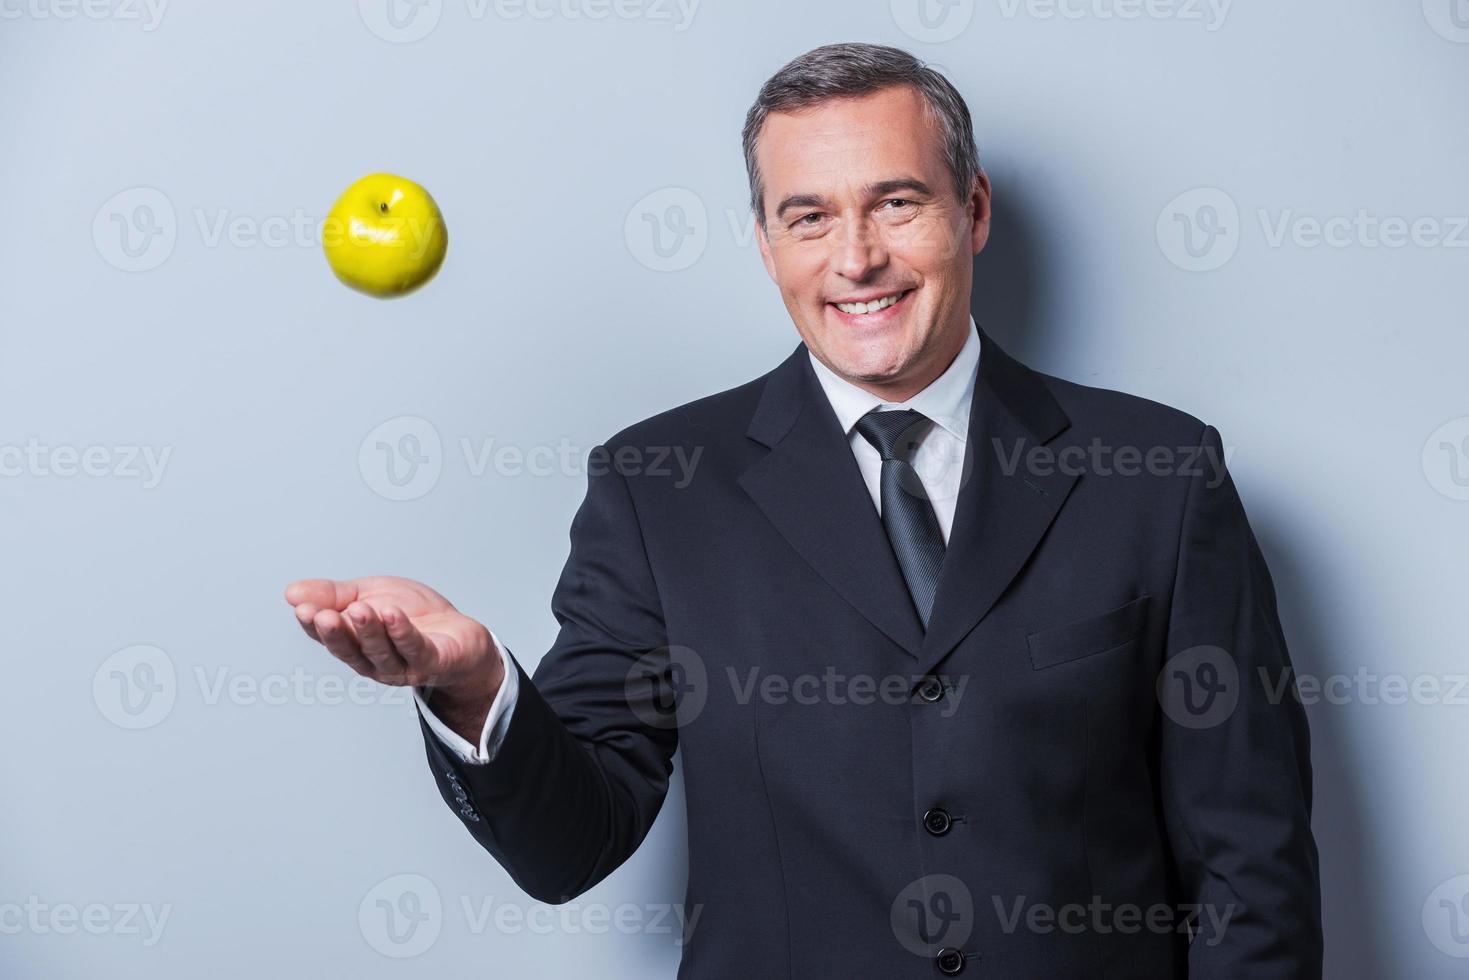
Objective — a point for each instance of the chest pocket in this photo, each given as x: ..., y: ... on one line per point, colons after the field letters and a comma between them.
x: 1085, y: 637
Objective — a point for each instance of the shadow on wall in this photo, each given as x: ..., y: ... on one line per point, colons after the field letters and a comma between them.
x: 1351, y: 874
x: 1006, y: 295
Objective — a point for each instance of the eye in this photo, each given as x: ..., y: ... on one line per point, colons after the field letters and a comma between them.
x: 803, y: 219
x: 901, y: 201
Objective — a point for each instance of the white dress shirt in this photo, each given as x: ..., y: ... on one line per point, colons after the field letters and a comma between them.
x: 938, y: 460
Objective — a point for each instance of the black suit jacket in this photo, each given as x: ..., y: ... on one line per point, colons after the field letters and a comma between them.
x: 1085, y: 767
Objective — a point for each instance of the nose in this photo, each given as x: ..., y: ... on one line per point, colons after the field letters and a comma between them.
x: 860, y: 250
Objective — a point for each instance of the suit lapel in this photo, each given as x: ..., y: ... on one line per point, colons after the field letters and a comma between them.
x: 1004, y: 507
x: 810, y: 488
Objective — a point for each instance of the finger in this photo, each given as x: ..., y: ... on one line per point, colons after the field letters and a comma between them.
x: 415, y: 649
x: 324, y: 592
x: 306, y: 616
x: 339, y: 641
x: 374, y: 641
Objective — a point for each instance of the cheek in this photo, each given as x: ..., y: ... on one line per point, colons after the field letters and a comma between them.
x: 930, y: 245
x: 799, y: 273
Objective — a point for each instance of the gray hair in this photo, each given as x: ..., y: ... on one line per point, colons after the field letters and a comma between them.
x: 836, y: 71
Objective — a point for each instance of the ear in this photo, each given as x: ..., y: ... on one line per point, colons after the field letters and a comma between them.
x: 979, y: 211
x: 764, y: 243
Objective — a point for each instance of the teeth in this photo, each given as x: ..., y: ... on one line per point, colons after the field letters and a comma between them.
x: 872, y: 307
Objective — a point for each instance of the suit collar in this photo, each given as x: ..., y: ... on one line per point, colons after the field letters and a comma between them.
x: 1000, y: 378
x: 810, y: 488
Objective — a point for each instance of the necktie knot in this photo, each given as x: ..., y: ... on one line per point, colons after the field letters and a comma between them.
x: 894, y: 432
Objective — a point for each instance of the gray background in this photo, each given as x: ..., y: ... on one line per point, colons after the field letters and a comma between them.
x: 268, y: 815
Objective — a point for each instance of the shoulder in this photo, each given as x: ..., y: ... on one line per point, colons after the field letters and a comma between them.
x: 1109, y: 413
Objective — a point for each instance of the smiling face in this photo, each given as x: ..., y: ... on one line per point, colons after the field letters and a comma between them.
x: 866, y: 238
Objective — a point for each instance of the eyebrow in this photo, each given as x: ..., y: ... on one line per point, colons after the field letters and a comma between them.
x: 881, y: 188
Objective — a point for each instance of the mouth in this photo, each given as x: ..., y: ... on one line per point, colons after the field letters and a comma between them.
x: 878, y: 310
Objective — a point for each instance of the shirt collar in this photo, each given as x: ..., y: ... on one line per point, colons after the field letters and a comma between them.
x: 946, y: 400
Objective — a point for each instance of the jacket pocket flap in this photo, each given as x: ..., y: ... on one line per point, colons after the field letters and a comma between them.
x: 1084, y: 637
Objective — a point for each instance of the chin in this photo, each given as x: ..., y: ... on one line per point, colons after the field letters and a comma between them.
x: 868, y: 368
x: 878, y: 356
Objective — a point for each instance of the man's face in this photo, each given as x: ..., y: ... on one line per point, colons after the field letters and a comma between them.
x: 860, y: 206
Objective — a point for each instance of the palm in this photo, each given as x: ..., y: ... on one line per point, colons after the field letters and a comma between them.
x: 452, y: 644
x: 452, y: 636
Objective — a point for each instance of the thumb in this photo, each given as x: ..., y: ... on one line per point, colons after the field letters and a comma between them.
x: 323, y: 593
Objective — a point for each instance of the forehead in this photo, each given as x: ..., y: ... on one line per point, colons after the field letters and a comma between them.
x: 850, y: 142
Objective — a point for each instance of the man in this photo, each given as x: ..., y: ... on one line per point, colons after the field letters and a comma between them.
x: 958, y: 690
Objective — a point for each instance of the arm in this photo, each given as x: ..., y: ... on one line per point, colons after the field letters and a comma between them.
x: 581, y: 773
x: 1235, y: 769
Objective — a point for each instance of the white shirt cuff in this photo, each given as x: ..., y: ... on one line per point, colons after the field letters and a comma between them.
x: 497, y: 723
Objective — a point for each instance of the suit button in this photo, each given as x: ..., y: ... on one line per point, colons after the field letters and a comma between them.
x: 937, y: 821
x: 931, y: 689
x: 949, y: 961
